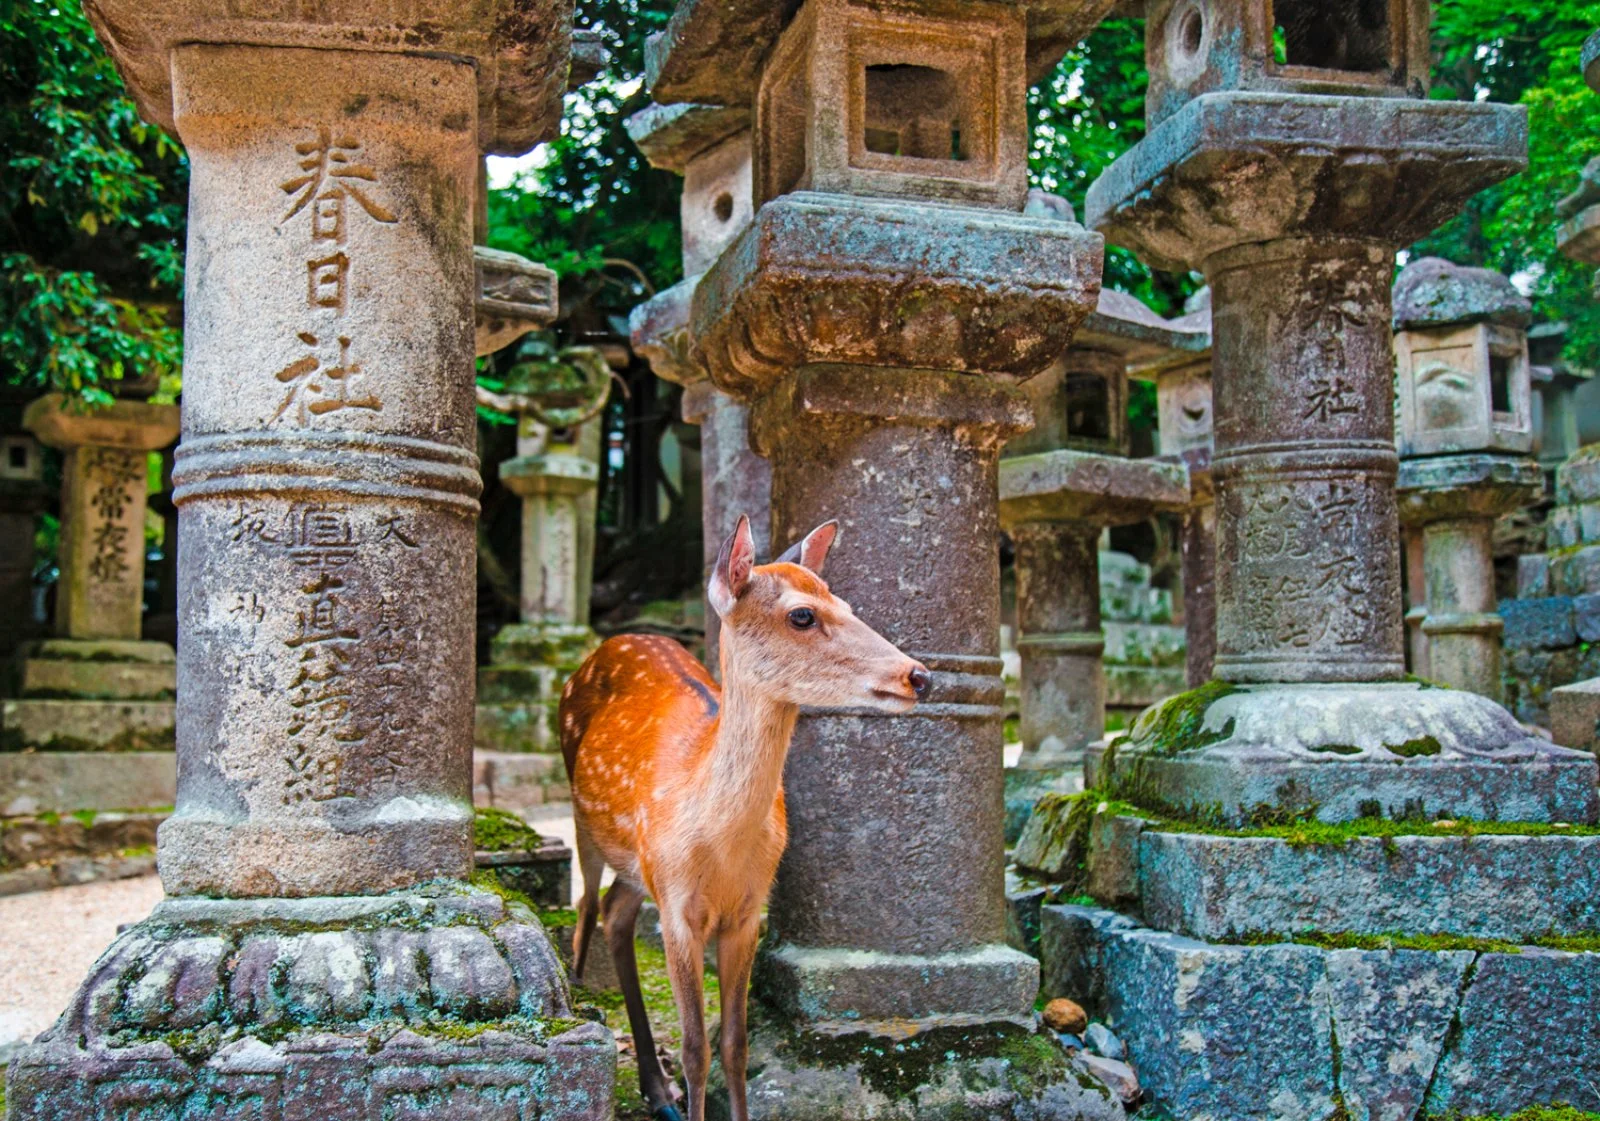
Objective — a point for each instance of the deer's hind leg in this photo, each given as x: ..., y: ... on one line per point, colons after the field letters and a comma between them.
x: 592, y: 865
x: 623, y: 901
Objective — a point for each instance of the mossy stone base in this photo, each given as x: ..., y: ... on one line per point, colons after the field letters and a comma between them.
x: 1025, y: 786
x: 952, y: 1072
x: 439, y: 1001
x: 33, y: 724
x: 547, y: 644
x: 1252, y: 753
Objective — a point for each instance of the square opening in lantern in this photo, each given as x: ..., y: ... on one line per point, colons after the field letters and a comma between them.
x: 1087, y: 402
x: 1349, y: 36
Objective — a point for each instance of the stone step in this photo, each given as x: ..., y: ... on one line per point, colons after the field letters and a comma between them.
x: 39, y: 852
x: 106, y: 726
x: 1575, y: 715
x: 1291, y: 1032
x: 518, y: 780
x: 120, y: 681
x: 102, y: 650
x: 1574, y: 572
x: 67, y: 781
x: 1568, y: 526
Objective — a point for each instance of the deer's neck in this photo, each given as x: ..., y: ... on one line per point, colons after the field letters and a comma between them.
x: 743, y: 771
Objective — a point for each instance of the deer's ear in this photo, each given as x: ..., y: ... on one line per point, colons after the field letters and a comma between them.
x: 811, y: 551
x: 731, y: 574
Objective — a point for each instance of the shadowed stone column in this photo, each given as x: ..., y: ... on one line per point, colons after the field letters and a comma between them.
x: 1315, y: 717
x: 875, y: 337
x: 23, y: 495
x: 1061, y: 485
x: 1466, y: 429
x: 710, y: 147
x: 319, y: 941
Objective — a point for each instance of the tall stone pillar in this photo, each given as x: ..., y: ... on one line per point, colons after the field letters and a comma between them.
x: 875, y: 336
x: 1061, y: 485
x: 1293, y: 199
x: 710, y: 147
x: 92, y: 727
x: 1466, y: 431
x: 319, y: 950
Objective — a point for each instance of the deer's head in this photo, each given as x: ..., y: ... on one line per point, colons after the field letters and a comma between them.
x: 785, y: 634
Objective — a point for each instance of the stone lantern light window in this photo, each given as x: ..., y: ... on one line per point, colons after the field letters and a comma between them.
x: 1461, y: 352
x: 19, y: 458
x: 1192, y: 47
x: 1088, y: 408
x: 859, y: 100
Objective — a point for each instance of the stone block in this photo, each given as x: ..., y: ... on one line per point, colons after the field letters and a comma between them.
x: 1575, y: 571
x: 46, y: 840
x: 1079, y: 485
x: 1144, y: 644
x: 544, y: 875
x: 822, y: 985
x: 1533, y: 576
x: 86, y: 680
x: 1285, y: 1032
x: 1537, y: 624
x: 1510, y: 888
x: 509, y: 727
x: 1023, y: 901
x: 1568, y: 526
x: 86, y: 726
x: 1578, y: 479
x: 520, y: 684
x: 518, y: 780
x: 1138, y: 687
x: 67, y: 781
x: 1586, y: 617
x: 1575, y: 715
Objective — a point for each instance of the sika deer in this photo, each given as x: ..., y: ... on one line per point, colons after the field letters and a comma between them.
x: 677, y: 784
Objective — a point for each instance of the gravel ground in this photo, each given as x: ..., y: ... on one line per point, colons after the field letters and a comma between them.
x: 51, y: 938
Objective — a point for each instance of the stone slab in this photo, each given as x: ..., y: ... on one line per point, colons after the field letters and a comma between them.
x: 76, y: 870
x: 1086, y: 486
x: 112, y: 727
x: 544, y: 875
x: 1578, y: 478
x: 66, y: 781
x: 1501, y: 887
x: 1283, y: 1032
x: 119, y: 681
x: 1578, y: 524
x: 509, y: 727
x: 1586, y: 617
x: 53, y: 837
x: 1533, y: 576
x: 102, y: 650
x: 518, y: 780
x: 1575, y: 715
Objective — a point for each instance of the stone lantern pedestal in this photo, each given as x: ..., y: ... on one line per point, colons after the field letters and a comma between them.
x: 94, y: 711
x: 530, y: 661
x: 1061, y: 485
x: 1242, y: 974
x: 710, y: 147
x: 320, y: 951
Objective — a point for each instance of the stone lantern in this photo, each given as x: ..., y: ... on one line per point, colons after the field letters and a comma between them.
x: 887, y: 293
x: 320, y: 951
x: 1293, y: 199
x: 23, y: 495
x: 1462, y: 377
x: 1061, y: 486
x: 710, y: 147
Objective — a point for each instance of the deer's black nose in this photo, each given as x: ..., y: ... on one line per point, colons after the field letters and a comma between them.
x: 920, y: 680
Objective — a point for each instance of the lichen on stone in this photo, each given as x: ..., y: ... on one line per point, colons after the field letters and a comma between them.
x: 496, y: 830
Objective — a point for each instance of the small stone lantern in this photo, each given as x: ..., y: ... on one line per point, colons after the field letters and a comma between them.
x: 1283, y: 46
x: 1461, y: 351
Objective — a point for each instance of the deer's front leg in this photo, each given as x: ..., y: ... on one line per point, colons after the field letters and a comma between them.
x: 685, y: 951
x: 736, y: 950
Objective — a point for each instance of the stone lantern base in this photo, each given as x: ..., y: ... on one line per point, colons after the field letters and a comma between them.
x: 518, y: 748
x: 441, y: 1001
x: 940, y: 1072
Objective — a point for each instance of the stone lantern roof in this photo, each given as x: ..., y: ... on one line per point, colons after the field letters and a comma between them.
x: 670, y: 136
x: 712, y: 50
x: 522, y: 49
x: 1433, y: 292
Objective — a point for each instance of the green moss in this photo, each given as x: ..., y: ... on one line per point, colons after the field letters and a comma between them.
x: 1557, y: 1112
x: 84, y: 818
x: 1423, y: 682
x: 558, y: 918
x: 1337, y: 749
x: 1177, y: 725
x: 1411, y: 749
x: 1431, y: 943
x: 495, y: 830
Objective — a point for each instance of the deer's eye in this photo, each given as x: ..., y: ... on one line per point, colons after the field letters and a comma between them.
x: 802, y: 617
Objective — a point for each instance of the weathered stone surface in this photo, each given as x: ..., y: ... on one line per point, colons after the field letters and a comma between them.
x: 544, y: 874
x: 1575, y: 715
x: 515, y: 296
x: 672, y: 135
x: 31, y: 724
x: 1434, y: 292
x: 1510, y: 888
x: 1545, y: 623
x: 66, y: 781
x: 1575, y: 572
x: 520, y: 52
x: 1235, y: 1032
x: 1578, y: 524
x: 1345, y: 752
x: 1578, y: 477
x: 1526, y: 1035
x: 1463, y: 486
x: 1104, y: 489
x: 1062, y: 693
x: 897, y: 284
x: 713, y: 52
x: 33, y: 840
x: 517, y: 781
x: 659, y: 330
x: 1533, y: 576
x: 831, y: 986
x: 86, y: 680
x: 1417, y: 162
